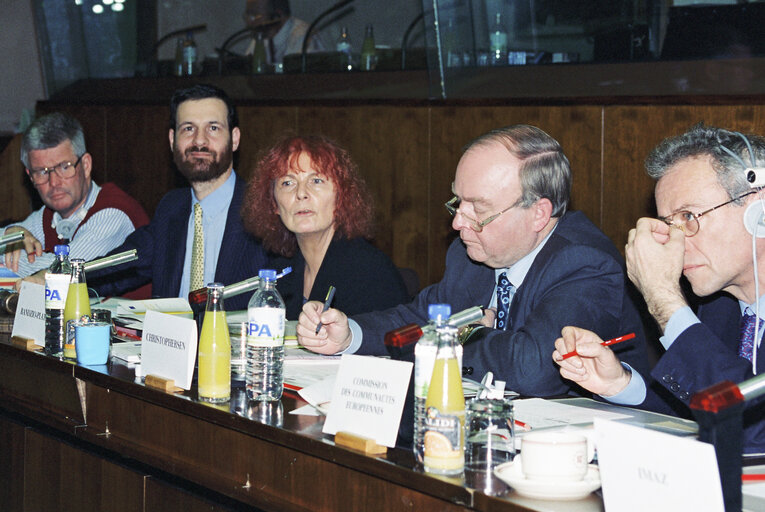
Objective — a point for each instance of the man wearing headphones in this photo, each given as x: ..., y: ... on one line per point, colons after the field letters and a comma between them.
x: 708, y: 210
x: 92, y: 219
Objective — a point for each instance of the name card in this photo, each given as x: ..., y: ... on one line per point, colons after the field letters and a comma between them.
x: 169, y: 347
x: 643, y: 469
x: 368, y: 398
x: 29, y: 321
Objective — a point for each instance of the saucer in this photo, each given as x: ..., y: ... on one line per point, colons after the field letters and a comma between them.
x: 512, y: 474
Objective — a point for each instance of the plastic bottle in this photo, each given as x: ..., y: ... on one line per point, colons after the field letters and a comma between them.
x: 56, y: 287
x: 368, y: 53
x: 445, y: 410
x: 189, y: 53
x: 178, y: 62
x: 77, y: 305
x: 498, y: 40
x: 343, y: 46
x: 424, y: 359
x: 214, y: 362
x: 265, y: 340
x: 259, y: 60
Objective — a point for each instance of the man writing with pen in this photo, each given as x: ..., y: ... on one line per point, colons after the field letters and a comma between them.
x: 708, y: 211
x: 520, y: 251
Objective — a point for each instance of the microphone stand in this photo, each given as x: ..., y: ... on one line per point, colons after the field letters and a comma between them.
x: 223, y: 50
x: 718, y: 410
x: 194, y: 28
x: 337, y: 6
x: 405, y: 40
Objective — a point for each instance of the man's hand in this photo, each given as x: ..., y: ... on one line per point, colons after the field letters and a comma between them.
x: 655, y: 253
x: 37, y: 277
x: 30, y: 244
x: 334, y: 335
x: 489, y: 317
x: 596, y: 368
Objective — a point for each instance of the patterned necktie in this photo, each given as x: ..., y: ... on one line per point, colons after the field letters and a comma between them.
x: 505, y: 292
x: 746, y: 336
x: 198, y: 251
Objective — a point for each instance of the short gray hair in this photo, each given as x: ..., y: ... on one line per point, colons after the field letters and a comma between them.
x: 545, y: 171
x: 49, y: 131
x: 701, y: 141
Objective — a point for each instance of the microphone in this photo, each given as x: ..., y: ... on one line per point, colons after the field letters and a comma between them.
x: 339, y: 5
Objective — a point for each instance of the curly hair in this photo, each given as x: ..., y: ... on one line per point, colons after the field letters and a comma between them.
x: 353, y: 204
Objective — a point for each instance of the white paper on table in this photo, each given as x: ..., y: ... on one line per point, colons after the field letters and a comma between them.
x: 540, y: 413
x: 319, y: 394
x: 29, y: 321
x: 128, y: 351
x: 299, y: 373
x: 169, y: 347
x: 642, y: 469
x: 368, y: 398
x: 170, y: 306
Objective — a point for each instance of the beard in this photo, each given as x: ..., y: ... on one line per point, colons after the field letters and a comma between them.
x: 200, y: 170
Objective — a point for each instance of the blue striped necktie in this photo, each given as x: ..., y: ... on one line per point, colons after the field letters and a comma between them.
x: 505, y: 292
x: 746, y: 335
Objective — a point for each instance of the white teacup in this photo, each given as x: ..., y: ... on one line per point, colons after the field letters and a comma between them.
x: 557, y: 456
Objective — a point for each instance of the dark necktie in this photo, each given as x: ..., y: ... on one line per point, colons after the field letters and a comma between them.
x: 746, y: 335
x: 505, y: 292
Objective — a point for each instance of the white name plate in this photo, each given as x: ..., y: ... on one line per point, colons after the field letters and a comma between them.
x: 368, y: 398
x: 29, y: 321
x: 643, y: 469
x: 169, y: 347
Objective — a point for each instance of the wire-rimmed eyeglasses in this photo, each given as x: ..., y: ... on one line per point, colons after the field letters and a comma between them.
x: 688, y: 222
x: 453, y: 206
x: 63, y: 170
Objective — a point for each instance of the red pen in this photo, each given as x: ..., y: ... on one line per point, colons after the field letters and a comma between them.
x: 612, y: 341
x: 752, y: 478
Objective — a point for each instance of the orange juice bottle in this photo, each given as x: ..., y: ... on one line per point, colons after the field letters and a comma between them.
x: 214, y: 381
x: 445, y: 410
x: 77, y: 305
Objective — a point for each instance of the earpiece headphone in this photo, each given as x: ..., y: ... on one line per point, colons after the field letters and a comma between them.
x: 65, y: 228
x: 754, y: 216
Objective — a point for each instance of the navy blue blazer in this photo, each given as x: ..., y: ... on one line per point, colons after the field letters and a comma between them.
x: 577, y: 278
x: 703, y: 355
x: 365, y: 279
x: 161, y: 249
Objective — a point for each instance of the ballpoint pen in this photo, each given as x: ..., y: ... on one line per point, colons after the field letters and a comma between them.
x: 327, y: 302
x: 612, y: 341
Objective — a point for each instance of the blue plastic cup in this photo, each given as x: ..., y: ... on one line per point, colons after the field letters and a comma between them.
x: 93, y: 341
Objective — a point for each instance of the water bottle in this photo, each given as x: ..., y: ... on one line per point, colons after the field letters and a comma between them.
x: 56, y: 287
x: 498, y: 40
x: 189, y: 55
x: 424, y: 359
x: 343, y: 46
x: 368, y: 51
x: 265, y: 340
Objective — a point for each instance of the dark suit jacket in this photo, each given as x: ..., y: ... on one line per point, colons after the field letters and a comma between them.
x: 703, y: 355
x: 577, y: 279
x: 162, y: 247
x: 364, y: 277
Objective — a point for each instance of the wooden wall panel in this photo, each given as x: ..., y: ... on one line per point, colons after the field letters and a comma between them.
x: 76, y: 480
x: 11, y: 466
x: 390, y: 146
x: 260, y: 126
x: 631, y: 132
x: 162, y: 497
x: 17, y: 190
x: 138, y: 157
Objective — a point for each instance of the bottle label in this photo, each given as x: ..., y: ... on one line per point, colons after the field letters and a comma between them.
x: 56, y: 288
x: 265, y: 327
x: 498, y: 42
x: 444, y: 439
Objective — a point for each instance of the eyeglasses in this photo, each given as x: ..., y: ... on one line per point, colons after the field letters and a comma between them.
x: 453, y: 206
x: 63, y: 170
x: 688, y: 221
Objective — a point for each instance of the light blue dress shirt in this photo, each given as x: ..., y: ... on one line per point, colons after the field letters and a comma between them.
x: 214, y: 215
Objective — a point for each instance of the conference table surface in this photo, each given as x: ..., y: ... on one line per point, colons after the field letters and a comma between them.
x: 253, y: 453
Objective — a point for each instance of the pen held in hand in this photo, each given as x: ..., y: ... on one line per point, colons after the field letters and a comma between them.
x: 327, y: 302
x: 612, y: 341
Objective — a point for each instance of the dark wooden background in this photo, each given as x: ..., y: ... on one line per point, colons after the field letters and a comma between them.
x: 407, y: 152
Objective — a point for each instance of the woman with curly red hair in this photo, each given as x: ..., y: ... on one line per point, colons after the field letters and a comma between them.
x: 309, y: 205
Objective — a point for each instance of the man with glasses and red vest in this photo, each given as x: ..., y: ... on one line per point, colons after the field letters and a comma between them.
x: 91, y: 219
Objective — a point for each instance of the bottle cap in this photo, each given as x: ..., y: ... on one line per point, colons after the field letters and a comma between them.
x: 267, y: 274
x: 211, y: 286
x: 439, y: 311
x: 61, y: 249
